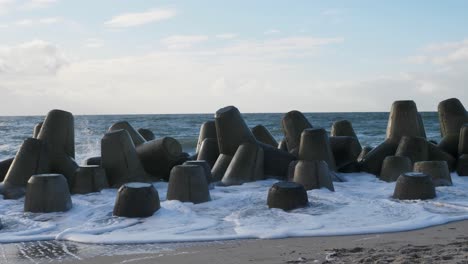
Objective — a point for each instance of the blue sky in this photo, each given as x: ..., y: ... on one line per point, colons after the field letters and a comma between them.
x: 124, y: 56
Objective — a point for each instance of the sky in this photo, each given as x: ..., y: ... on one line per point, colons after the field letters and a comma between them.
x: 196, y: 56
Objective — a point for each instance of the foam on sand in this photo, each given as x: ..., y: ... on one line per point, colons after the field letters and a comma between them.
x: 361, y: 205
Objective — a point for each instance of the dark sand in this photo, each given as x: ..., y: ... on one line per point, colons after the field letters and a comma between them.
x: 440, y: 244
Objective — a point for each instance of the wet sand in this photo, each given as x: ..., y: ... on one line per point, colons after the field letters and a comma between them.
x: 440, y: 244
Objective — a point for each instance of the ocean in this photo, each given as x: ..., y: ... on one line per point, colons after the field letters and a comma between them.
x: 370, y: 128
x: 362, y: 204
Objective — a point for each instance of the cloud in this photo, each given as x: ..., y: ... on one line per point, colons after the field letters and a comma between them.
x: 94, y: 43
x: 183, y: 41
x: 41, y: 21
x: 50, y: 20
x: 227, y: 36
x: 272, y: 32
x: 5, y: 6
x: 185, y: 81
x: 31, y: 58
x: 442, y: 54
x: 138, y: 19
x: 417, y: 59
x: 333, y: 15
x: 444, y: 46
x: 33, y: 4
x: 280, y: 47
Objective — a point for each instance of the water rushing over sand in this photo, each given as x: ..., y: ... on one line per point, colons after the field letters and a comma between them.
x: 363, y: 204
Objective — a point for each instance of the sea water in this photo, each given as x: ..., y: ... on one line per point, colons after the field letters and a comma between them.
x: 362, y: 204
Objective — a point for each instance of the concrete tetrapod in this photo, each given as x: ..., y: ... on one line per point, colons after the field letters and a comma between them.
x: 276, y: 161
x: 342, y: 128
x: 204, y: 165
x: 88, y: 179
x: 30, y: 159
x: 246, y: 165
x: 287, y: 196
x: 346, y: 150
x: 147, y: 134
x: 315, y: 145
x: 220, y: 167
x: 58, y: 134
x: 293, y: 123
x: 207, y: 130
x: 404, y: 120
x: 183, y: 157
x: 47, y: 193
x: 160, y: 155
x: 437, y: 154
x: 462, y: 165
x: 232, y: 131
x: 364, y: 152
x: 394, y: 166
x: 209, y: 151
x: 262, y: 134
x: 188, y: 184
x: 119, y: 159
x: 421, y: 125
x: 414, y: 186
x: 438, y: 170
x: 4, y: 167
x: 37, y: 129
x: 282, y: 145
x: 372, y: 162
x: 463, y: 142
x: 292, y: 169
x: 415, y: 148
x: 136, y: 199
x: 313, y: 175
x: 452, y: 116
x: 450, y: 144
x: 136, y: 137
x: 93, y: 161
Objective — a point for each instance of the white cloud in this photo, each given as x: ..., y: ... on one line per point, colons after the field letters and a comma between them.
x: 24, y: 22
x: 272, y: 32
x: 227, y: 36
x: 444, y: 46
x: 41, y: 21
x: 443, y: 54
x: 94, y: 43
x: 5, y: 6
x: 333, y: 15
x: 183, y: 41
x: 31, y: 58
x: 417, y: 59
x: 280, y: 47
x: 137, y: 19
x: 50, y: 20
x: 203, y: 81
x: 32, y: 4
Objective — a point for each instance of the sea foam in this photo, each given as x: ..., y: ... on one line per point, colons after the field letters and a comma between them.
x: 361, y: 205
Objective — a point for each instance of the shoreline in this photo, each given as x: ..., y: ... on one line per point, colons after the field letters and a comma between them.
x: 447, y: 243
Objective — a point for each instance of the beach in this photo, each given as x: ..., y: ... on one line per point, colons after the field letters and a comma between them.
x: 438, y: 244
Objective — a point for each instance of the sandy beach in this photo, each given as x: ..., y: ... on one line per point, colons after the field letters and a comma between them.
x: 439, y: 244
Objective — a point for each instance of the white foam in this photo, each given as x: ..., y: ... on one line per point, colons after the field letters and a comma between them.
x: 361, y: 205
x: 137, y: 185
